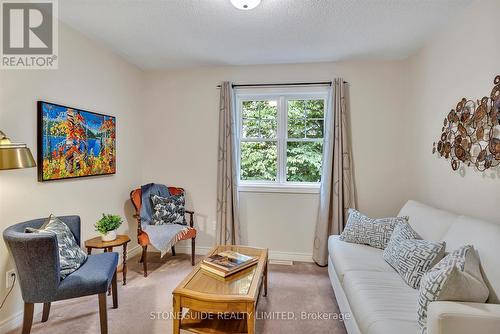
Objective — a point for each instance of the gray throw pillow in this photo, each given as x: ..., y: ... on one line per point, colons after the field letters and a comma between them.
x: 71, y: 256
x: 457, y: 277
x: 416, y: 257
x: 168, y: 210
x: 361, y: 229
x: 401, y: 233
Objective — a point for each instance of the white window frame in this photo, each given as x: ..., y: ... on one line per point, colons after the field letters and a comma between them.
x: 282, y: 95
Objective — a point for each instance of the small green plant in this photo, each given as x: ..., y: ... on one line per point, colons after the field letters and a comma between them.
x: 108, y: 223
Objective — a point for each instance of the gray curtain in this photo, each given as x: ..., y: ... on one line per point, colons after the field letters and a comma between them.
x: 337, y: 185
x: 228, y: 230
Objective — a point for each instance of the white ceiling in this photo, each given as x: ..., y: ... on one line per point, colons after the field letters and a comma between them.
x: 157, y: 34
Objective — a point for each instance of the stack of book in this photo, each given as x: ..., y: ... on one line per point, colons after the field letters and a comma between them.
x: 227, y: 263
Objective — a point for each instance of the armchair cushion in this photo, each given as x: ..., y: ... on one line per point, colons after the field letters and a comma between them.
x: 168, y: 210
x: 93, y: 277
x: 71, y: 256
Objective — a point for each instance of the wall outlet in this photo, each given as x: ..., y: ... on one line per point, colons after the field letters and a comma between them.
x: 9, y: 278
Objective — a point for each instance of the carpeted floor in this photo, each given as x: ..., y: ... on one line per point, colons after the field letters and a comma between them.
x: 302, y: 289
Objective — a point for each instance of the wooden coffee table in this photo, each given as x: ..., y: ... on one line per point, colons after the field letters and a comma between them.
x: 221, y: 305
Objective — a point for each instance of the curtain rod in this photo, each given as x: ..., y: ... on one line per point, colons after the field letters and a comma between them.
x: 329, y: 83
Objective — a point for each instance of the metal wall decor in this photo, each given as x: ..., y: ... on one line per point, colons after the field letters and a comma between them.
x: 471, y: 132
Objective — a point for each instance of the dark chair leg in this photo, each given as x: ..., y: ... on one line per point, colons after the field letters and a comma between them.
x: 46, y: 312
x: 192, y: 251
x: 103, y: 313
x: 142, y: 256
x: 145, y: 259
x: 114, y: 288
x: 28, y: 317
x: 173, y: 250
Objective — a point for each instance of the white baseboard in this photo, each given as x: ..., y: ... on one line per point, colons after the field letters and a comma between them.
x: 273, y: 255
x: 137, y: 249
x: 16, y: 320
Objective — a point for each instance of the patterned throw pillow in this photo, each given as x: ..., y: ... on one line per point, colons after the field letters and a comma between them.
x: 457, y: 277
x: 71, y: 256
x: 168, y: 210
x: 361, y: 229
x: 401, y: 233
x: 416, y: 257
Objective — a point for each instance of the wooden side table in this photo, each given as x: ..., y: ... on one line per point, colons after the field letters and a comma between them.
x: 121, y: 240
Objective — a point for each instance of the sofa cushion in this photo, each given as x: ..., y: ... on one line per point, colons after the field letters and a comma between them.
x: 347, y: 257
x: 381, y: 302
x: 430, y: 223
x: 361, y: 229
x: 457, y: 277
x: 485, y: 237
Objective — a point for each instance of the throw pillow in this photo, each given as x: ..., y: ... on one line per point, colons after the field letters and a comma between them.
x: 361, y: 229
x: 416, y: 257
x: 71, y: 256
x: 401, y: 233
x: 168, y: 210
x: 457, y: 277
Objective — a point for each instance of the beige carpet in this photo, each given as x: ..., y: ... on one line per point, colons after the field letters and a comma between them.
x: 303, y: 287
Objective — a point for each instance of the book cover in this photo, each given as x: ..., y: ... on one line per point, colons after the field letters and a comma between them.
x: 229, y: 260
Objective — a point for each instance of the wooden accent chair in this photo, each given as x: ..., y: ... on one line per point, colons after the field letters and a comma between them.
x: 142, y: 236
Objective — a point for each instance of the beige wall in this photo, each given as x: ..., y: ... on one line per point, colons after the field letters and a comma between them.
x: 91, y: 78
x: 181, y: 146
x: 460, y: 61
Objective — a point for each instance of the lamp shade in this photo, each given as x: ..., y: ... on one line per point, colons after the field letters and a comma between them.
x: 13, y: 155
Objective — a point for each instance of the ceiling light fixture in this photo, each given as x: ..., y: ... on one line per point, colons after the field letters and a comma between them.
x: 245, y: 4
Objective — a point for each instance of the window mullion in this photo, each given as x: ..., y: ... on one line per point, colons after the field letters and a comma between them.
x: 282, y: 125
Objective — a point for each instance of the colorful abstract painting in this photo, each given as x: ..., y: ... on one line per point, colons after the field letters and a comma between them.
x: 74, y: 143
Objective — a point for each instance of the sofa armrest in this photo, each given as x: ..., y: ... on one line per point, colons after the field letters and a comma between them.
x: 462, y: 318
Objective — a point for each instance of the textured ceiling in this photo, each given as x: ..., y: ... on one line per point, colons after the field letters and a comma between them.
x: 157, y: 34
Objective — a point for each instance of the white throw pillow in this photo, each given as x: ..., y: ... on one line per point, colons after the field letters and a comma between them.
x: 416, y: 257
x: 361, y: 229
x: 457, y: 277
x: 401, y: 233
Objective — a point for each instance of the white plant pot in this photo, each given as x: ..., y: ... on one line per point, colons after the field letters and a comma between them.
x: 110, y: 236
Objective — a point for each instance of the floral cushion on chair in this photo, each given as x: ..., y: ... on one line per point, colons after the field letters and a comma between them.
x: 168, y: 210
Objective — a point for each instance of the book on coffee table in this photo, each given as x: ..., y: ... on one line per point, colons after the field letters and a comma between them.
x: 227, y: 263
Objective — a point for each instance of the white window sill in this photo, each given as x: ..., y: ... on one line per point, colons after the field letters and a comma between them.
x: 280, y: 188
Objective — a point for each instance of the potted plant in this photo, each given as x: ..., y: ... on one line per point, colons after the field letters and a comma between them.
x: 107, y: 225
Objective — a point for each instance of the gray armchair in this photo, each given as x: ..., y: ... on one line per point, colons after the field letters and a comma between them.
x: 36, y: 257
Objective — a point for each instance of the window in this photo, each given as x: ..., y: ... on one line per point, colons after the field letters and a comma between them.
x: 280, y: 138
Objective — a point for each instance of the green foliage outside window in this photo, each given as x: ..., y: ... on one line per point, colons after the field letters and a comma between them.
x: 304, y: 143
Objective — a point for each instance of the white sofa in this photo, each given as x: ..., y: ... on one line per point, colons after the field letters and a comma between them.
x: 378, y: 300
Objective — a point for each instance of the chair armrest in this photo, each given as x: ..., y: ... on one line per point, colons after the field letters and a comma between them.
x: 462, y: 318
x: 191, y: 220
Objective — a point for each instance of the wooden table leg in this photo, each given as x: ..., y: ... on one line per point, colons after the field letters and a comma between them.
x: 89, y: 250
x: 177, y: 314
x: 108, y: 250
x: 124, y: 268
x: 265, y: 280
x: 251, y: 318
